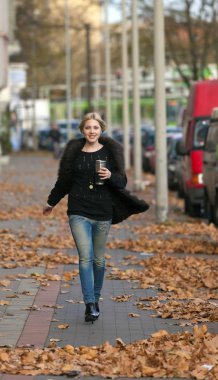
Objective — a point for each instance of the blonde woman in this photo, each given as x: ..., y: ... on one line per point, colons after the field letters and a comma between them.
x: 92, y: 207
x: 89, y: 205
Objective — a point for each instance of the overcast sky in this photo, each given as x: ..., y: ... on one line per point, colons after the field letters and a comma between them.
x: 115, y: 14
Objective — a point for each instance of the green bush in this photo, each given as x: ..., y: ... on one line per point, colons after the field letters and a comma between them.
x: 5, y: 143
x: 5, y: 133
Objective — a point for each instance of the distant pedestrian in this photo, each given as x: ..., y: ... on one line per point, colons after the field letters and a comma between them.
x: 55, y: 136
x: 95, y: 200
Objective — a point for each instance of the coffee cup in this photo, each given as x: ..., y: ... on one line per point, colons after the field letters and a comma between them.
x: 98, y: 165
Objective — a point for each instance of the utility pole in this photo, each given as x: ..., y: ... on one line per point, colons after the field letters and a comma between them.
x: 160, y: 114
x: 89, y: 67
x: 34, y: 81
x: 68, y: 68
x: 107, y: 69
x: 137, y: 183
x: 125, y: 87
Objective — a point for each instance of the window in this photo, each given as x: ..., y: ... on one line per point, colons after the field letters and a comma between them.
x: 200, y: 133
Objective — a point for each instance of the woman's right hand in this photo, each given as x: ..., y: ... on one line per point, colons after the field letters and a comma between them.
x: 47, y: 210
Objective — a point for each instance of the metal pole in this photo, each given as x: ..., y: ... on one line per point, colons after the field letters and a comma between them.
x: 160, y: 114
x: 89, y: 68
x: 137, y: 183
x: 125, y: 87
x: 68, y: 68
x: 107, y: 69
x: 33, y: 90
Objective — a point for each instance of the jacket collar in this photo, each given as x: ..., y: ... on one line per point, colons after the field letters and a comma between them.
x: 113, y: 147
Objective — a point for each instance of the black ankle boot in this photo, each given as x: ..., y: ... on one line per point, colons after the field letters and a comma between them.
x: 97, y: 309
x: 90, y: 313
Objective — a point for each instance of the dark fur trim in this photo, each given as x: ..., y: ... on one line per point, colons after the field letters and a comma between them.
x: 116, y: 150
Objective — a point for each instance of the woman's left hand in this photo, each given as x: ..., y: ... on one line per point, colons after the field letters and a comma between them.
x: 104, y: 173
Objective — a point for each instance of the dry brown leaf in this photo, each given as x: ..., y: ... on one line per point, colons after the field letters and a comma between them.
x: 183, y: 355
x: 175, y: 238
x: 160, y: 334
x: 183, y: 277
x: 63, y: 326
x: 4, y: 302
x: 194, y: 310
x: 5, y: 283
x: 122, y: 298
x: 134, y: 315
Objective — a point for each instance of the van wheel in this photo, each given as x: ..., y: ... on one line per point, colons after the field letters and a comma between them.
x: 180, y: 192
x: 186, y: 204
x: 208, y: 210
x: 215, y: 219
x: 191, y: 209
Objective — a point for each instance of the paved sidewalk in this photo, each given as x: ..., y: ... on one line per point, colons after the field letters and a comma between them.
x: 31, y: 320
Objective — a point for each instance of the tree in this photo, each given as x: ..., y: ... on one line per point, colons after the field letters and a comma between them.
x: 191, y: 29
x: 145, y: 35
x: 41, y: 34
x: 189, y: 37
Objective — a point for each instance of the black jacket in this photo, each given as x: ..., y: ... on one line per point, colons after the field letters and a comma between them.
x: 124, y: 204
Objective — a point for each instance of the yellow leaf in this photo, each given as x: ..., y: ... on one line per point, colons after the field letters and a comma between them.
x: 69, y: 349
x: 63, y: 326
x: 148, y: 371
x: 4, y: 357
x: 159, y: 334
x: 4, y: 302
x: 200, y: 331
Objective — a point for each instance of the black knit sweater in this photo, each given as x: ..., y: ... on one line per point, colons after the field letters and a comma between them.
x: 85, y: 197
x: 77, y: 172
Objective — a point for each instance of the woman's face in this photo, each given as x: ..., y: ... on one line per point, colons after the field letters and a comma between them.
x: 92, y: 130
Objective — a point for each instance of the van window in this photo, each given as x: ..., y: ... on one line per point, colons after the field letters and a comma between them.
x: 200, y: 133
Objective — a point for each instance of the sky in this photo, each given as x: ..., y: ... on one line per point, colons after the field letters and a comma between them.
x: 114, y: 14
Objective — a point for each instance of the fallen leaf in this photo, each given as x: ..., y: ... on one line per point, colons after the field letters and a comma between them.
x: 133, y: 315
x: 63, y: 326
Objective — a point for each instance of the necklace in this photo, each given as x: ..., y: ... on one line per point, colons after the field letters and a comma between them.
x: 91, y: 183
x: 85, y: 149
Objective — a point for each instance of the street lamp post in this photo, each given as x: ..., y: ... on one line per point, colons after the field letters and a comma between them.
x: 160, y: 114
x: 107, y: 68
x: 125, y: 87
x: 89, y: 67
x: 68, y: 67
x: 137, y: 184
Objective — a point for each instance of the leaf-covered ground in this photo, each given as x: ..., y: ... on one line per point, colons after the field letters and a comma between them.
x: 185, y: 285
x: 186, y: 355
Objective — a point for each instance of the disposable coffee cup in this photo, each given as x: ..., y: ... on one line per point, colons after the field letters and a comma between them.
x: 98, y: 165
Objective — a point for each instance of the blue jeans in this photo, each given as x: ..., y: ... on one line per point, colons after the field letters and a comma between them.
x: 90, y: 237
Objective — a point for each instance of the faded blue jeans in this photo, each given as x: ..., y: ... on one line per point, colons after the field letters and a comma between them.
x: 90, y: 237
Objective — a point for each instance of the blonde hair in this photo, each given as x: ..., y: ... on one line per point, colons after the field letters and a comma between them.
x: 93, y: 116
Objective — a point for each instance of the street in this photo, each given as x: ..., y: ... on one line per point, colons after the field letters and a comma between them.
x: 161, y: 286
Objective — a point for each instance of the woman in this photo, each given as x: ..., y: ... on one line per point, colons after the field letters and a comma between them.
x: 89, y: 205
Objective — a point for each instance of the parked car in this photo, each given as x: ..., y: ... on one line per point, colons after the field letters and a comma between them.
x: 178, y: 170
x: 202, y: 99
x: 210, y: 170
x: 75, y: 132
x: 44, y: 140
x: 147, y: 138
x: 148, y: 142
x: 117, y: 134
x: 172, y: 159
x: 170, y: 132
